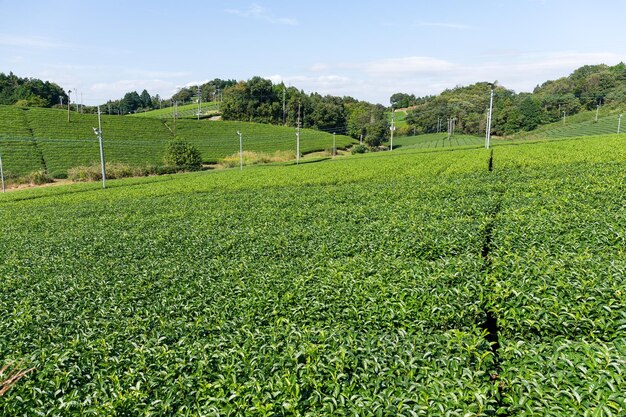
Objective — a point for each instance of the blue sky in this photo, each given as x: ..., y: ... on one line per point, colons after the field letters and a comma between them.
x: 365, y: 49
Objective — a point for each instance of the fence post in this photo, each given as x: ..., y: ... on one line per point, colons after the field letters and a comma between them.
x: 98, y: 133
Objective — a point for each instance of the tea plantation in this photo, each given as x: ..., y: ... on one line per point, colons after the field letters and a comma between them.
x: 407, y: 283
x: 34, y: 138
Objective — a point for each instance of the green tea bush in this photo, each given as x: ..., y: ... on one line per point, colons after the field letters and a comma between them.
x: 180, y: 153
x: 358, y: 149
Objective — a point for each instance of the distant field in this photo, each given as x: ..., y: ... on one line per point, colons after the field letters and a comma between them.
x: 35, y: 138
x: 400, y: 118
x: 436, y: 140
x: 581, y: 124
x: 188, y: 111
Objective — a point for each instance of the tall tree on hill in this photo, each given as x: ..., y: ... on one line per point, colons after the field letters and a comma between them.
x: 402, y: 100
x: 146, y: 100
x: 131, y: 102
x: 184, y: 94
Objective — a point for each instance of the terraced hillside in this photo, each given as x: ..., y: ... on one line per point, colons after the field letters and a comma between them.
x: 187, y: 111
x: 34, y: 138
x: 456, y: 282
x: 581, y: 124
x: 437, y: 140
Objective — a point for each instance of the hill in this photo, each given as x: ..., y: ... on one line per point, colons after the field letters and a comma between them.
x: 34, y: 138
x: 583, y: 90
x: 580, y: 124
x: 456, y: 282
x: 187, y: 111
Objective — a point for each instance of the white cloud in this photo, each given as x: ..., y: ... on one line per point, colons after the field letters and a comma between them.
x: 322, y: 84
x: 406, y: 66
x: 29, y: 41
x: 377, y: 80
x: 193, y: 84
x: 319, y: 67
x: 261, y: 13
x: 138, y: 73
x: 117, y: 89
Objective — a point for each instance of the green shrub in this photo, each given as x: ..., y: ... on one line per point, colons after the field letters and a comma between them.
x: 180, y: 153
x: 358, y: 149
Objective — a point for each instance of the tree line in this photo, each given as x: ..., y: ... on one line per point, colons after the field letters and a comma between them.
x: 29, y: 92
x: 585, y: 89
x: 259, y: 100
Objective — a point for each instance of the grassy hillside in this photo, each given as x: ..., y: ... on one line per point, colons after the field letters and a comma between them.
x: 581, y: 124
x: 397, y: 283
x: 188, y: 111
x: 436, y: 140
x: 34, y: 138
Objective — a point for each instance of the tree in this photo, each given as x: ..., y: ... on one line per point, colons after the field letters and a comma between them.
x: 146, y: 100
x: 183, y: 95
x: 182, y: 154
x: 131, y: 102
x: 329, y: 117
x: 402, y: 100
x: 254, y: 100
x: 375, y: 133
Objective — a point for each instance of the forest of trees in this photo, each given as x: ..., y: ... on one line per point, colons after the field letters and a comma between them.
x: 584, y: 89
x: 30, y: 92
x: 259, y: 100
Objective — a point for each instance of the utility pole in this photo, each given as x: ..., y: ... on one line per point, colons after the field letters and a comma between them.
x: 619, y: 123
x: 81, y: 101
x: 175, y: 114
x: 392, y: 128
x: 334, y: 145
x: 1, y: 173
x: 563, y: 116
x: 488, y: 134
x: 452, y: 126
x: 98, y: 132
x: 298, y: 138
x: 284, y: 96
x: 69, y: 94
x: 199, y: 98
x: 76, y: 92
x: 449, y: 128
x: 240, y: 151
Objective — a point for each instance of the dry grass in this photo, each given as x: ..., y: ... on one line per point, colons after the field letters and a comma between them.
x: 10, y: 374
x: 114, y: 170
x: 253, y: 158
